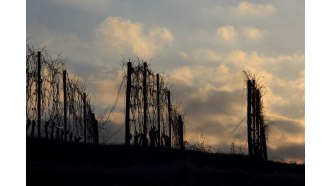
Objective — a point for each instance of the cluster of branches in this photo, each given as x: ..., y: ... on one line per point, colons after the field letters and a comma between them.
x: 257, y: 127
x: 199, y: 145
x: 144, y: 132
x: 52, y: 76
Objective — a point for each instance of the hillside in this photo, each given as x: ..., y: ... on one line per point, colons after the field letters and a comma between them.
x: 57, y: 163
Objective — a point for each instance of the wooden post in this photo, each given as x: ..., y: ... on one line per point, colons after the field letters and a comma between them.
x: 28, y: 124
x: 65, y: 105
x: 95, y: 129
x: 85, y: 118
x: 158, y: 106
x: 263, y: 140
x: 258, y: 146
x: 180, y: 132
x: 39, y: 93
x: 253, y: 102
x: 57, y: 133
x: 128, y: 101
x: 262, y: 132
x: 33, y: 126
x: 169, y: 116
x: 145, y: 99
x: 46, y: 130
x: 52, y: 132
x: 249, y: 119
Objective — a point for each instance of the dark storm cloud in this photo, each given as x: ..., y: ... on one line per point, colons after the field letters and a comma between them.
x: 290, y: 127
x: 98, y: 70
x: 211, y: 128
x: 181, y: 91
x: 215, y: 103
x: 294, y: 110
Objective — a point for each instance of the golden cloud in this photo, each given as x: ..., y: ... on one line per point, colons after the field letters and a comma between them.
x: 247, y: 8
x: 121, y: 36
x: 252, y: 33
x: 182, y: 75
x: 207, y: 55
x: 226, y: 33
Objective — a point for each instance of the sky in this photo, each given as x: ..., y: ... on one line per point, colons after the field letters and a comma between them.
x: 203, y: 46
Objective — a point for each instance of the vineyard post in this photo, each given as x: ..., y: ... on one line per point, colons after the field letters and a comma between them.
x: 65, y: 105
x: 39, y: 93
x: 128, y: 100
x: 263, y: 141
x: 169, y: 116
x: 254, y: 117
x: 85, y: 118
x: 158, y: 106
x: 249, y: 119
x: 145, y: 101
x: 257, y: 97
x: 180, y: 132
x: 33, y: 126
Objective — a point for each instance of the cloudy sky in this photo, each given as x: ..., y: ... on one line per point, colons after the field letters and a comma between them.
x: 202, y: 45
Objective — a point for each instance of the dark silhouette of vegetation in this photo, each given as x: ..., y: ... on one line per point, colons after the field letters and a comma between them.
x: 256, y: 127
x: 151, y: 118
x: 53, y: 97
x: 59, y: 163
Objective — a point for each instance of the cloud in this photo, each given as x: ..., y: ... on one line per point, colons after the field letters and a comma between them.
x: 259, y: 61
x: 213, y: 96
x: 182, y: 76
x: 227, y: 34
x: 239, y: 36
x: 246, y: 8
x: 252, y: 33
x: 183, y: 55
x: 207, y: 55
x: 245, y: 12
x: 124, y: 36
x: 290, y: 126
x: 212, y: 107
x: 214, y: 103
x: 57, y: 42
x: 291, y: 152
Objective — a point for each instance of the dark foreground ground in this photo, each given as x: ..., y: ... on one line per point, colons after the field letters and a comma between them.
x: 55, y: 163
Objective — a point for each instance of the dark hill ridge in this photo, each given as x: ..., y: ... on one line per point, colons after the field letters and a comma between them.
x: 57, y: 163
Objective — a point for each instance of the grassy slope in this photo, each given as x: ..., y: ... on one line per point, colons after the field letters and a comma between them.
x: 55, y: 163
